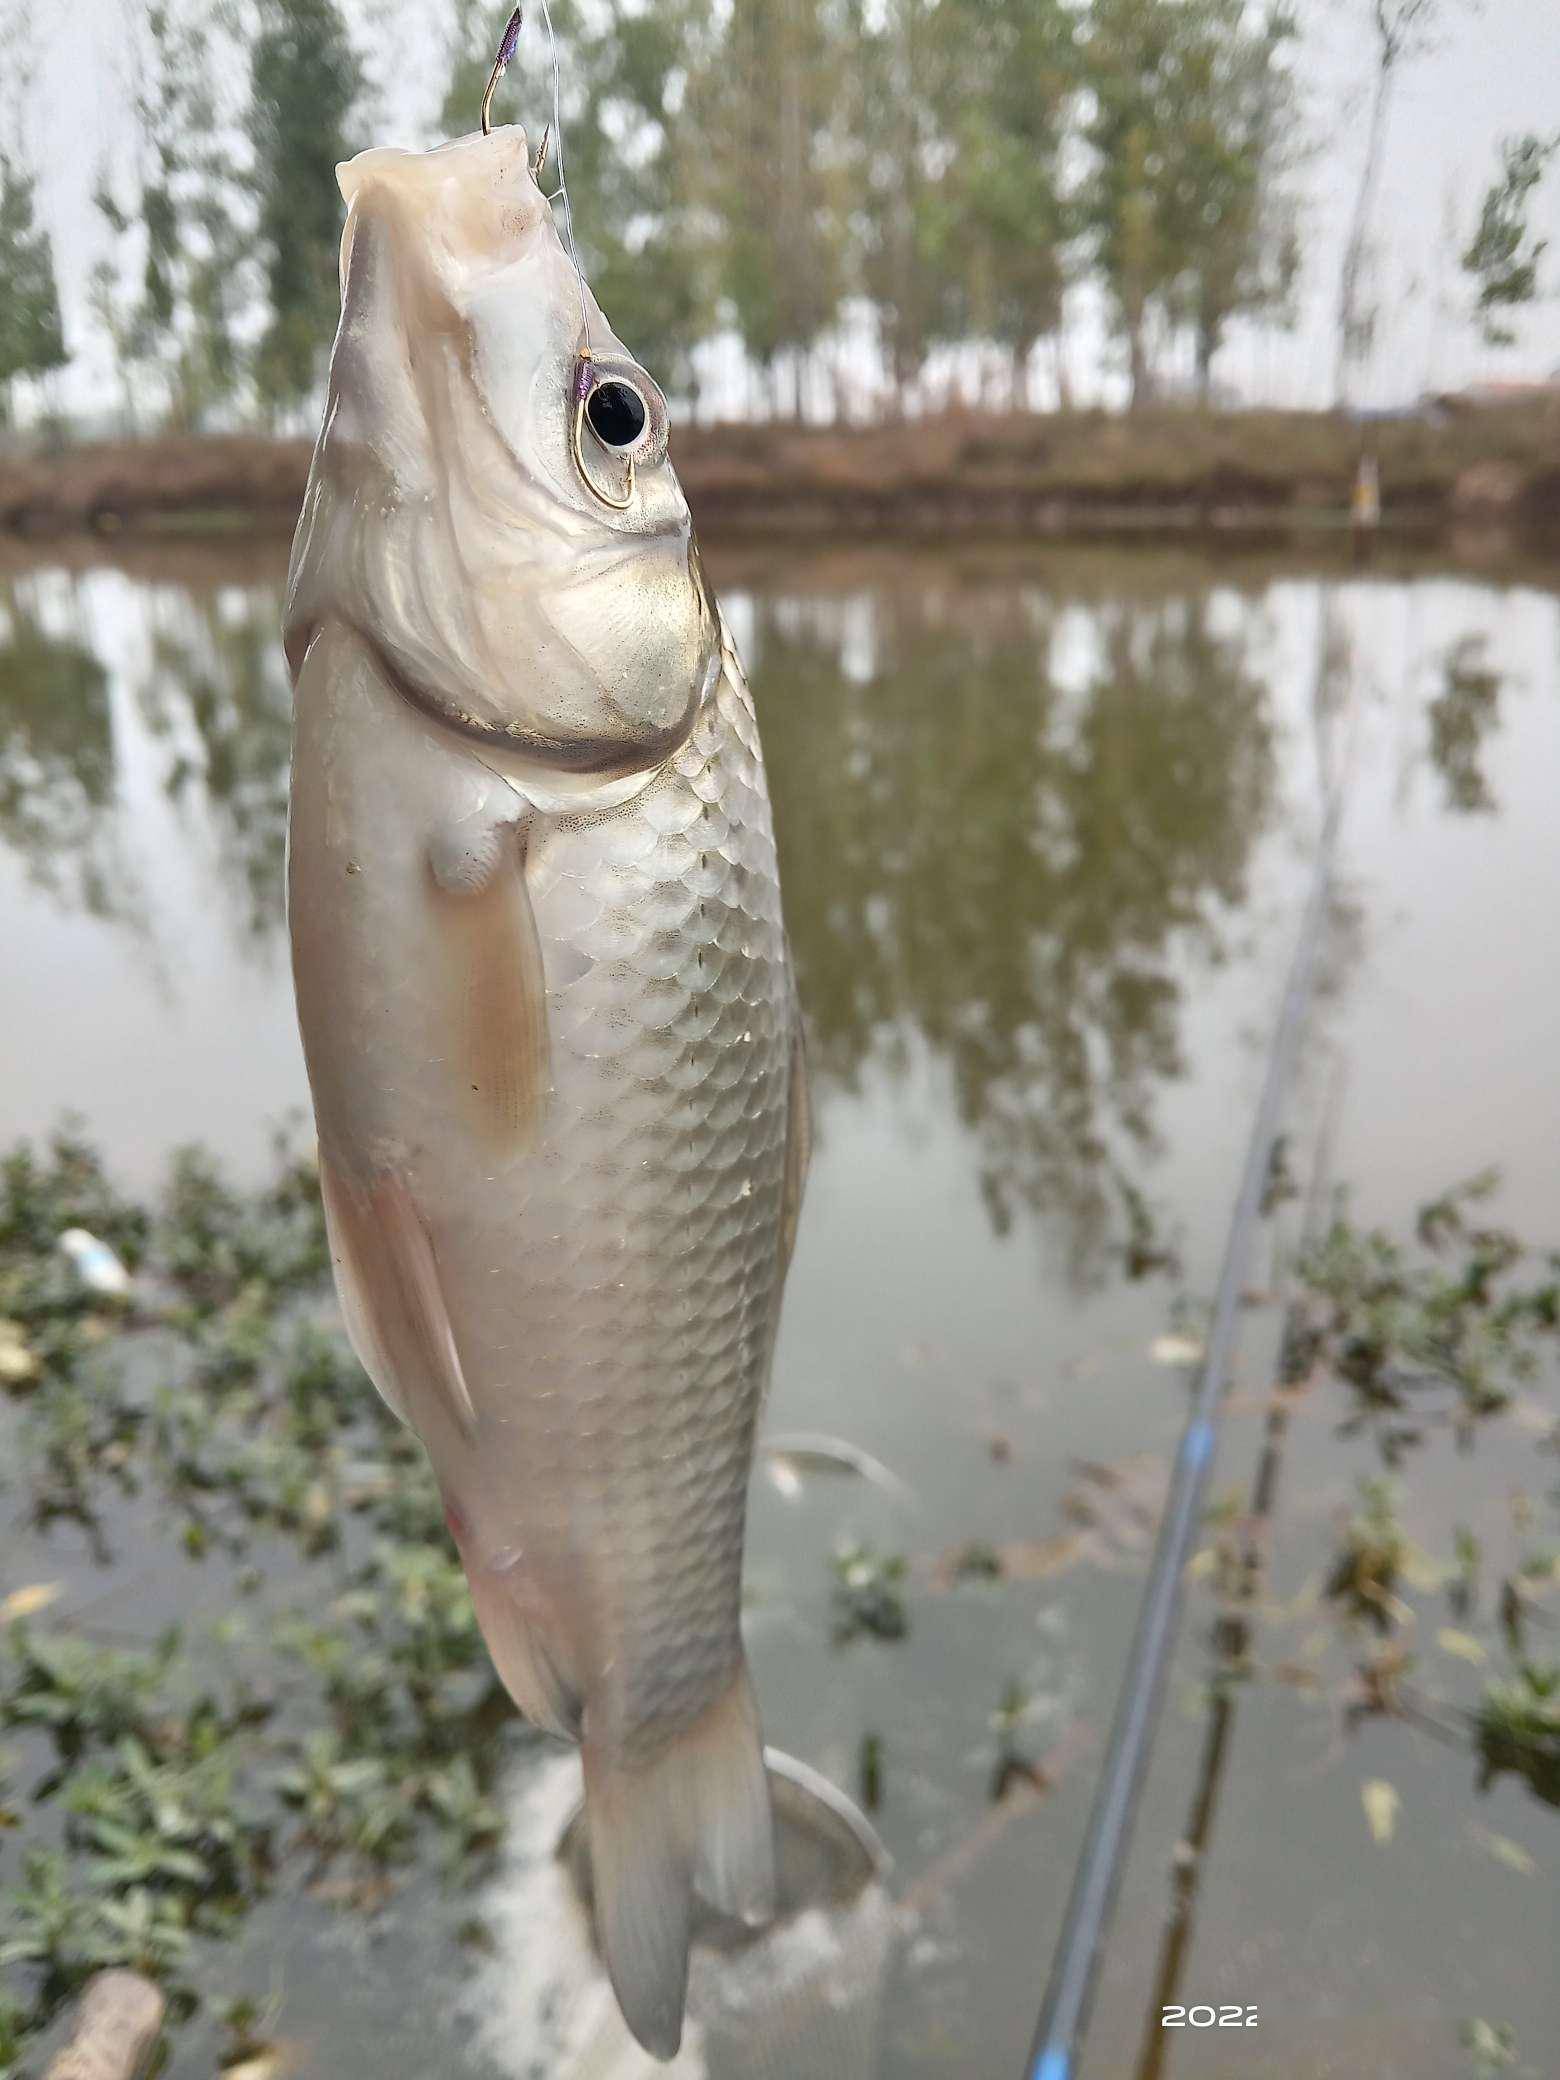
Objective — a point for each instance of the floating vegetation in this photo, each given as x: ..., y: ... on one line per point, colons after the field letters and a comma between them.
x: 340, y: 1712
x: 1492, y: 2046
x: 1371, y: 1557
x: 1462, y: 1323
x: 868, y: 1599
x: 1518, y: 1728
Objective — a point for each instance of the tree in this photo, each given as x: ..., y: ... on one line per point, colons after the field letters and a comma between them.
x: 1003, y: 218
x: 178, y: 326
x: 304, y: 80
x: 1242, y: 238
x: 764, y: 104
x: 1503, y: 255
x: 1184, y: 198
x: 1401, y: 30
x: 623, y: 74
x: 32, y: 339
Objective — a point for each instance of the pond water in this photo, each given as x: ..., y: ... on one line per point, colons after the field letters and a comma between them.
x: 1046, y: 825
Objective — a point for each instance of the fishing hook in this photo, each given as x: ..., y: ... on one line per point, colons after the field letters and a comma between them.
x: 506, y: 51
x: 584, y: 373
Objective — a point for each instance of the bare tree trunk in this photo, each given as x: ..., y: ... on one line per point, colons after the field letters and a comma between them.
x: 1359, y: 231
x: 1064, y: 388
x: 1137, y: 362
x: 1207, y: 345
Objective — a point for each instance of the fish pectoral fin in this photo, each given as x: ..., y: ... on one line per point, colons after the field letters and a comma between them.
x: 692, y: 1815
x: 388, y: 1278
x: 495, y: 979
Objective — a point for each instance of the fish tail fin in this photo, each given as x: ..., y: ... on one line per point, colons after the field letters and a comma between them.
x: 693, y: 1816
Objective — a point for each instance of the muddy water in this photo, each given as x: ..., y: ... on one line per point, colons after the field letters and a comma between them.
x: 1045, y: 831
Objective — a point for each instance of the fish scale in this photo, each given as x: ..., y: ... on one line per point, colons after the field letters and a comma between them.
x: 668, y: 1304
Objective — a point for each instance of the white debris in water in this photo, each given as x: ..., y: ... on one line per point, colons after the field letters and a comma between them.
x: 1176, y: 1350
x: 94, y: 1263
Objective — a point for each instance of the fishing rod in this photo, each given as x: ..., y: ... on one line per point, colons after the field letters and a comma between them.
x: 1233, y: 1632
x: 1064, y: 2013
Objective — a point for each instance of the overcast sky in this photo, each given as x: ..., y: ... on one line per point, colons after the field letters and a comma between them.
x: 1495, y: 72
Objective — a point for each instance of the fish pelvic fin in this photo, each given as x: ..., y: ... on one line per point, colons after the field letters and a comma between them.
x: 693, y: 1815
x: 387, y: 1278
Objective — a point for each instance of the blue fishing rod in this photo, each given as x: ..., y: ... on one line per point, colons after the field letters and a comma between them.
x: 1064, y: 2014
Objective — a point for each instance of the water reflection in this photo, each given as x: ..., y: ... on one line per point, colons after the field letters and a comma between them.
x: 1463, y: 717
x: 56, y: 755
x: 1018, y: 820
x: 216, y: 693
x: 996, y: 825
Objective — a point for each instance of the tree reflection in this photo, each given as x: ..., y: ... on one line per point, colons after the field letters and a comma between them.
x: 972, y: 850
x: 217, y: 663
x: 56, y: 758
x: 1463, y: 714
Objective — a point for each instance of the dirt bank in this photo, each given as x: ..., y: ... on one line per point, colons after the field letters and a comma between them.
x: 962, y: 474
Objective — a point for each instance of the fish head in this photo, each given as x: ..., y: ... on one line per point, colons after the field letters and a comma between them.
x: 492, y: 504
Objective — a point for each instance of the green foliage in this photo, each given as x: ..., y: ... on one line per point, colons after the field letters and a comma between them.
x: 32, y: 338
x: 1503, y: 254
x: 177, y: 324
x: 1191, y: 106
x: 868, y: 1595
x: 955, y: 142
x: 1396, y: 1330
x: 164, y: 1793
x: 1371, y: 1557
x: 764, y: 107
x: 1517, y: 1726
x: 304, y: 82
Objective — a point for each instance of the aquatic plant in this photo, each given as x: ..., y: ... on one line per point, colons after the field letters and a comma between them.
x: 217, y: 1397
x: 1394, y: 1328
x: 1370, y: 1558
x: 868, y: 1597
x: 1517, y: 1726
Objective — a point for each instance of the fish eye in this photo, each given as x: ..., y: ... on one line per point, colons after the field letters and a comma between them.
x: 617, y: 413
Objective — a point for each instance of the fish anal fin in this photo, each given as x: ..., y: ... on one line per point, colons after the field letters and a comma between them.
x: 691, y: 1815
x: 527, y: 1653
x: 388, y: 1278
x: 494, y: 975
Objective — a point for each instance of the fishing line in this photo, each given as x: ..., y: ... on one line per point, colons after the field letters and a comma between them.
x: 508, y: 44
x: 1064, y: 2013
x: 563, y: 177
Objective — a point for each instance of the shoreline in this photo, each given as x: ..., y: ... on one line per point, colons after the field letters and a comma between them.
x: 965, y: 476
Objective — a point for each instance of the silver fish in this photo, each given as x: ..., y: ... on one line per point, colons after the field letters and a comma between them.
x: 547, y: 1009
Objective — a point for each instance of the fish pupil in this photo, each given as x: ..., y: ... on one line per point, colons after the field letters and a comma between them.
x: 616, y: 413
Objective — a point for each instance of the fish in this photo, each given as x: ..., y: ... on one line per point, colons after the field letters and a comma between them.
x: 547, y: 1007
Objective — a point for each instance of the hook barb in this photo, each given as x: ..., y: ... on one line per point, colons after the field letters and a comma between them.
x: 501, y: 63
